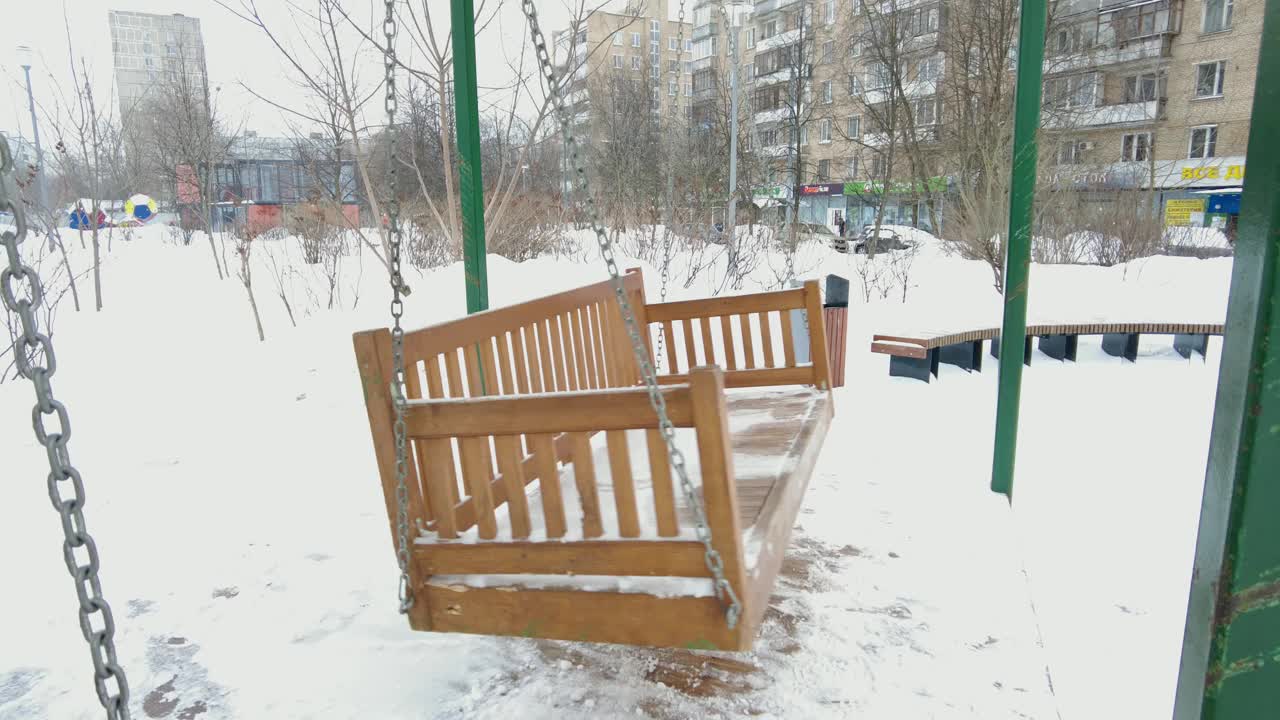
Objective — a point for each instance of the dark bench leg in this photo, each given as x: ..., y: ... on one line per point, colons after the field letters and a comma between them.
x: 1026, y: 351
x: 1185, y: 345
x: 967, y: 355
x: 1123, y: 345
x: 1060, y: 347
x: 915, y: 368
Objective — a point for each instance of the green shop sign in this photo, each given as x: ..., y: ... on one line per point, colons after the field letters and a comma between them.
x: 875, y: 187
x: 771, y: 191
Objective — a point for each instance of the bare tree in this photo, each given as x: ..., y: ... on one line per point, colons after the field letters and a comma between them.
x: 187, y: 139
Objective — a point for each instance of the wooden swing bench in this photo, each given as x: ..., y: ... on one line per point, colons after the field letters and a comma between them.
x: 539, y: 485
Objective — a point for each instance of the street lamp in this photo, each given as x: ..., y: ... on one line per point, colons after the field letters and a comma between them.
x: 24, y: 61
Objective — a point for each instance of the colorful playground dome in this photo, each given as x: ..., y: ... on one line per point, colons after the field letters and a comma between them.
x: 140, y: 207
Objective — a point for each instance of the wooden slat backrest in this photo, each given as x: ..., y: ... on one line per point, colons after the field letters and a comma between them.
x: 573, y: 340
x: 742, y: 334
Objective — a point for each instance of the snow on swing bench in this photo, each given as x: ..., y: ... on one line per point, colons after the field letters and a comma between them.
x: 540, y: 482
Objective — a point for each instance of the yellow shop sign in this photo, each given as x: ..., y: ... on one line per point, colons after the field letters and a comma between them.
x: 1179, y: 212
x: 1214, y: 172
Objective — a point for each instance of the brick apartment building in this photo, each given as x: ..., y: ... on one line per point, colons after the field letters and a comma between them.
x: 1138, y: 94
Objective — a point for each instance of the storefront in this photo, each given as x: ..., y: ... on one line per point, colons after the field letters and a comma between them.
x: 905, y: 203
x: 1202, y: 193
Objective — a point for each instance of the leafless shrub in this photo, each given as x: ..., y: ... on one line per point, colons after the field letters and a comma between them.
x: 1126, y: 227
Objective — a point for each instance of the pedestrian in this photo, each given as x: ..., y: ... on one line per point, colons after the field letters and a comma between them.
x: 840, y: 224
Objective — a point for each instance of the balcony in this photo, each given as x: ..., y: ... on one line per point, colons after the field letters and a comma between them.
x: 764, y: 7
x: 705, y: 63
x: 1102, y: 115
x: 764, y: 117
x: 703, y: 31
x: 1147, y: 48
x: 779, y: 40
x: 776, y: 151
x: 785, y: 74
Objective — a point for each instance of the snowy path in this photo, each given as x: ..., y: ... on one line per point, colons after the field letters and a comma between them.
x: 245, y: 548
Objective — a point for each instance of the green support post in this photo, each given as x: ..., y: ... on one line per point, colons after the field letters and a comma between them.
x: 471, y: 180
x: 1017, y: 246
x: 1230, y: 668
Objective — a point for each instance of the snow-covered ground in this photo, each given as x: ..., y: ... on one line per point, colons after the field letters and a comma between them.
x: 232, y: 492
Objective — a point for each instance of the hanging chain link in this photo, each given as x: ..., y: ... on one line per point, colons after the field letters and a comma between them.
x: 398, y: 289
x: 33, y: 354
x: 671, y: 211
x: 715, y: 564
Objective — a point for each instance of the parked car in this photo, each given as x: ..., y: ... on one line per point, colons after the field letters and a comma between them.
x: 887, y: 240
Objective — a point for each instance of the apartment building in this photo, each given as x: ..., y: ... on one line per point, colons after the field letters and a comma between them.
x: 148, y: 49
x: 1138, y: 94
x: 1156, y: 95
x: 639, y: 46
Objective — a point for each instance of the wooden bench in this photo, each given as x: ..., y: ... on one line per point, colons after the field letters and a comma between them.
x: 918, y: 355
x: 540, y: 487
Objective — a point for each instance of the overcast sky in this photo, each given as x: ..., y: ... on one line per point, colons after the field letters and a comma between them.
x: 237, y: 53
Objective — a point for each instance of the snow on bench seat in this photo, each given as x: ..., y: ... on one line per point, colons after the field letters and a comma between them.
x: 771, y: 431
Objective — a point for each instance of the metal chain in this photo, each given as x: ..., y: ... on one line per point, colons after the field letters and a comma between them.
x: 671, y: 211
x: 715, y: 564
x: 33, y: 354
x: 666, y: 278
x: 398, y: 289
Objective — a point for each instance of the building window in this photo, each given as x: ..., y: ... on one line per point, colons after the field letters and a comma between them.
x: 1143, y: 88
x: 854, y: 127
x: 878, y: 166
x: 926, y: 111
x: 1217, y: 15
x: 672, y: 44
x: 922, y: 22
x: 1135, y: 147
x: 1070, y: 153
x: 617, y: 61
x: 829, y: 11
x: 617, y: 38
x: 1204, y: 142
x: 826, y: 92
x: 770, y: 29
x: 750, y: 71
x: 855, y: 84
x: 804, y: 135
x: 751, y: 37
x: 1210, y: 79
x: 673, y: 88
x: 930, y: 68
x: 877, y: 76
x: 688, y: 45
x: 828, y: 51
x: 635, y: 39
x: 688, y: 67
x: 635, y: 62
x: 824, y: 170
x: 673, y: 66
x: 824, y: 130
x: 855, y: 48
x: 688, y: 89
x: 851, y: 168
x: 1141, y: 21
x: 1073, y: 91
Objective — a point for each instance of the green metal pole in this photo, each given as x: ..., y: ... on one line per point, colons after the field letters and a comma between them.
x: 467, y: 121
x: 1017, y: 246
x: 1230, y: 668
